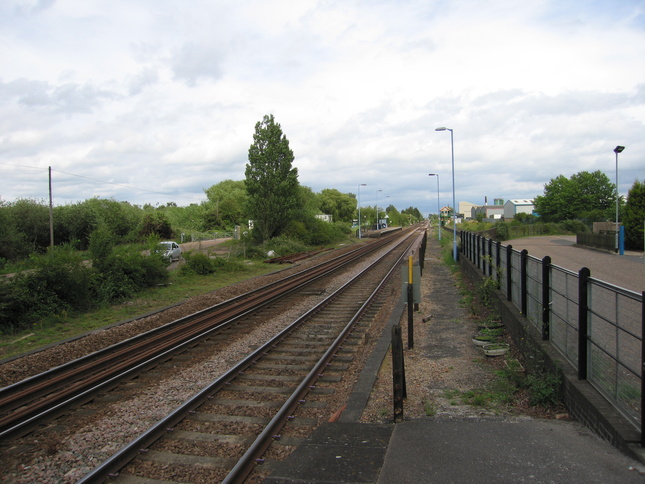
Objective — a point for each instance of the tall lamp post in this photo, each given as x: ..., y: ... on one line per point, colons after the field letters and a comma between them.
x: 438, y: 204
x: 360, y: 235
x: 617, y: 149
x: 377, y: 208
x: 454, y: 208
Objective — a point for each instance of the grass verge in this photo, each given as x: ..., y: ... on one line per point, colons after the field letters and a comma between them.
x: 179, y: 288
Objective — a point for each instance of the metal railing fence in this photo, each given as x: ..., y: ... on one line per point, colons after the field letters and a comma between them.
x: 596, y: 326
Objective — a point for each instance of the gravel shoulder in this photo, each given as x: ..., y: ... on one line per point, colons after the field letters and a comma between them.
x: 444, y: 368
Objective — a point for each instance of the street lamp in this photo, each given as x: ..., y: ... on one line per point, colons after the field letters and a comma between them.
x: 617, y: 149
x: 377, y: 208
x: 360, y: 236
x: 438, y: 204
x: 454, y: 208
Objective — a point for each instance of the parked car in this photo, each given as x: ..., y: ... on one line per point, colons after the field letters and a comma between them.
x: 169, y: 250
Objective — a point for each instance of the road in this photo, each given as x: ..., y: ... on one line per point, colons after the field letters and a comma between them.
x: 626, y: 271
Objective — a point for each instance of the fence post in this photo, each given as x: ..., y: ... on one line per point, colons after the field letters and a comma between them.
x: 546, y: 292
x: 398, y: 372
x: 477, y: 237
x: 465, y: 242
x: 490, y: 257
x: 583, y: 326
x: 509, y: 271
x: 482, y: 253
x: 523, y: 285
x: 498, y: 260
x: 410, y: 316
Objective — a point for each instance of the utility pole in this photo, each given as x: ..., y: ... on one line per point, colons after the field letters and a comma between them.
x: 51, y: 212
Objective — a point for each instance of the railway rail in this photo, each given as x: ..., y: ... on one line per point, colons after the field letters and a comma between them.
x: 278, y: 393
x: 25, y: 405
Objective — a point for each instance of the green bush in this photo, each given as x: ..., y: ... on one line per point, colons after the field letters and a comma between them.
x: 501, y: 231
x: 545, y: 389
x: 197, y: 263
x: 227, y: 265
x: 283, y: 245
x: 574, y: 226
x: 60, y: 284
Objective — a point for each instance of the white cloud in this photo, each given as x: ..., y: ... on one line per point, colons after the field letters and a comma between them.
x: 128, y: 92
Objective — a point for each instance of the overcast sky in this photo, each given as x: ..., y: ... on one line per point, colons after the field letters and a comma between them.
x: 151, y: 101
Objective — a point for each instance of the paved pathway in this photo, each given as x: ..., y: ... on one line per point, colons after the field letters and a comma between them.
x: 626, y: 271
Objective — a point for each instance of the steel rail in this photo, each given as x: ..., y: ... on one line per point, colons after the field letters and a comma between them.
x: 120, y: 459
x: 247, y: 462
x: 56, y: 389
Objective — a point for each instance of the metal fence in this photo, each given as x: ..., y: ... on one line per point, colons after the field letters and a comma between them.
x: 597, y: 326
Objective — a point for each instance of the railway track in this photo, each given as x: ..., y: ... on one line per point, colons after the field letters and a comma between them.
x: 26, y: 405
x: 267, y: 403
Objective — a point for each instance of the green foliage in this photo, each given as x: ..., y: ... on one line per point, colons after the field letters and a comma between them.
x: 414, y: 212
x: 296, y: 229
x: 341, y: 206
x: 271, y: 180
x: 30, y: 218
x: 574, y: 226
x: 60, y: 284
x: 588, y: 196
x: 192, y: 218
x: 395, y: 218
x: 156, y: 223
x: 12, y: 242
x: 283, y: 245
x: 501, y: 231
x: 634, y: 216
x: 102, y: 242
x: 120, y: 218
x: 197, y: 263
x: 321, y: 233
x: 125, y: 271
x: 308, y: 204
x: 486, y: 290
x: 524, y: 219
x: 545, y: 389
x: 74, y: 223
x: 226, y: 205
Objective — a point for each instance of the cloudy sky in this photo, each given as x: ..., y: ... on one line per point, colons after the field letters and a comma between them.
x: 151, y: 101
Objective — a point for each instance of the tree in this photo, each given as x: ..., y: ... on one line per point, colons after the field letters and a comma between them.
x: 341, y: 206
x: 226, y: 204
x: 587, y: 196
x: 30, y: 219
x: 156, y: 223
x: 634, y: 216
x: 414, y: 212
x: 271, y: 181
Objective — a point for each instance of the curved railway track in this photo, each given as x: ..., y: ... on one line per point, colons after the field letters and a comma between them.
x: 279, y: 393
x: 27, y: 404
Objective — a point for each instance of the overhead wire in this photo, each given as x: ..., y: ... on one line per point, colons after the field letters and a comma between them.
x: 99, y: 181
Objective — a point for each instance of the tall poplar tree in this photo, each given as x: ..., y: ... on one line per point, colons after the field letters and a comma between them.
x: 271, y: 180
x: 633, y: 216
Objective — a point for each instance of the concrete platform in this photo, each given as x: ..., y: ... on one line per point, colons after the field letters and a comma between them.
x: 457, y: 451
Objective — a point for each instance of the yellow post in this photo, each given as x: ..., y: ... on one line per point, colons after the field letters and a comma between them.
x: 410, y: 270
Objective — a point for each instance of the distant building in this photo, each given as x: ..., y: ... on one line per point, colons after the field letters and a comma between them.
x: 488, y: 212
x: 513, y: 207
x: 465, y: 208
x: 325, y: 218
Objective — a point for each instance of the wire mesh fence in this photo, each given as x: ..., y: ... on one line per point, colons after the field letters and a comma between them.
x: 596, y: 326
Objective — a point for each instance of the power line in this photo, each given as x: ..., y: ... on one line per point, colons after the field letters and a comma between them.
x: 98, y: 181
